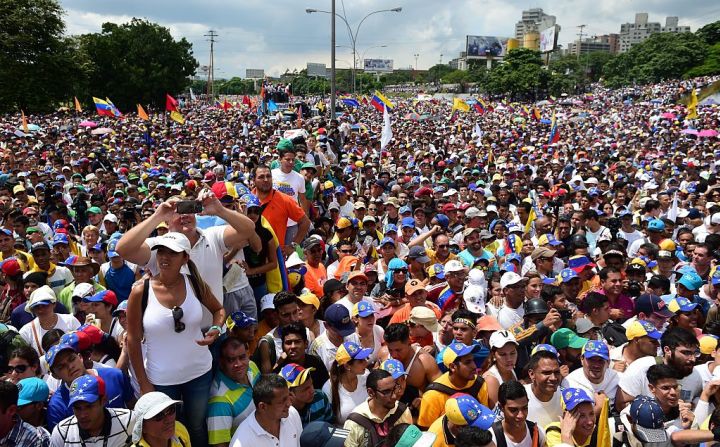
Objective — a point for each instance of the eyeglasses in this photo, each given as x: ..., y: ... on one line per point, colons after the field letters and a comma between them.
x: 163, y: 414
x: 372, y: 209
x: 443, y: 246
x: 347, y: 252
x: 177, y: 314
x: 389, y: 392
x: 18, y: 369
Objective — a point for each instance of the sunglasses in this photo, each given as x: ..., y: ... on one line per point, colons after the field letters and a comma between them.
x: 177, y: 314
x: 347, y: 252
x: 401, y: 271
x: 18, y: 369
x: 163, y: 414
x: 443, y: 246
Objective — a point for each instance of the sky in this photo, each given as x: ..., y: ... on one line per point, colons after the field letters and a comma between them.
x: 278, y: 35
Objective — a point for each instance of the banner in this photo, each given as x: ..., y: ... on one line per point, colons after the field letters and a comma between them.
x: 548, y: 38
x: 378, y: 65
x: 484, y: 46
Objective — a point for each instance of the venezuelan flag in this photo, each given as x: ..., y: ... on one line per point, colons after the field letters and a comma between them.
x: 479, y: 108
x: 351, y: 102
x: 103, y: 108
x: 115, y: 110
x: 446, y: 299
x: 554, y: 134
x: 380, y: 102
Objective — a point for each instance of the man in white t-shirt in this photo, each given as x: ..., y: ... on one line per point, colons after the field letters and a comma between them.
x: 273, y: 411
x: 515, y: 428
x: 594, y: 376
x: 544, y: 399
x: 208, y: 246
x: 513, y: 290
x: 289, y: 182
x: 678, y: 347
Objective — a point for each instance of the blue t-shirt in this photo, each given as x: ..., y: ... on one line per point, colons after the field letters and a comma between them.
x: 117, y: 389
x: 120, y: 281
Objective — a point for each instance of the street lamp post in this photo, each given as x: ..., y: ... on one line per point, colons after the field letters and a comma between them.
x: 353, y: 36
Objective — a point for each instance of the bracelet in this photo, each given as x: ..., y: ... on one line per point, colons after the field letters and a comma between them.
x: 215, y: 326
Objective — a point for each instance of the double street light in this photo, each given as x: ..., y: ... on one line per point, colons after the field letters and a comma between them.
x: 353, y: 41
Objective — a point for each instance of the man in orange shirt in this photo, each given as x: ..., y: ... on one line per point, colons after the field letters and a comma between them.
x: 278, y: 208
x: 417, y: 296
x: 316, y: 274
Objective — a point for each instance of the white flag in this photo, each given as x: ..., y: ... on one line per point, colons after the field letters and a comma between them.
x: 478, y: 133
x: 192, y: 95
x: 386, y: 131
x: 673, y: 211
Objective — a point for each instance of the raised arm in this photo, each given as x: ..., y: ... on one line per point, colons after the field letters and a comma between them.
x: 132, y: 245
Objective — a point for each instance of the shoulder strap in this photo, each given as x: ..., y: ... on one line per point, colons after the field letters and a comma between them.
x: 533, y: 428
x: 397, y: 415
x: 37, y: 339
x: 144, y: 301
x: 368, y: 425
x: 497, y: 429
x: 434, y: 386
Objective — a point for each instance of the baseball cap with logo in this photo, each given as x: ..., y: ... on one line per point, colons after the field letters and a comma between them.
x: 173, y: 240
x: 656, y: 225
x: 419, y: 254
x: 548, y: 239
x: 691, y: 281
x: 501, y: 338
x: 567, y: 275
x: 681, y: 304
x: 338, y: 318
x: 463, y: 409
x: 413, y: 286
x: 362, y: 309
x: 240, y: 320
x: 510, y: 279
x: 104, y: 296
x: 87, y: 388
x: 572, y: 397
x: 455, y: 350
x: 649, y: 420
x: 596, y: 348
x: 543, y: 347
x: 649, y: 304
x: 642, y: 328
x: 351, y: 351
x: 454, y: 266
x: 31, y: 390
x: 394, y: 367
x: 436, y: 271
x: 294, y: 374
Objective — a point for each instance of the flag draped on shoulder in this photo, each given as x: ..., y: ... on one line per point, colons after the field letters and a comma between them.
x: 142, y: 114
x: 379, y: 101
x: 102, y: 107
x: 459, y: 104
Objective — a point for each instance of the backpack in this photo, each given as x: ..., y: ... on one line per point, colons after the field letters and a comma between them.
x: 614, y: 333
x: 473, y: 390
x: 500, y: 440
x: 377, y: 439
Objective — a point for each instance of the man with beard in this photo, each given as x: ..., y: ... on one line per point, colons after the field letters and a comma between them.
x: 679, y: 347
x: 594, y: 376
x: 544, y: 399
x: 569, y: 347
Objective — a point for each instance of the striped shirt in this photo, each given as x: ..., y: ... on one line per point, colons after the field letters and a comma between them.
x: 317, y: 410
x: 23, y: 434
x: 230, y: 403
x: 116, y: 431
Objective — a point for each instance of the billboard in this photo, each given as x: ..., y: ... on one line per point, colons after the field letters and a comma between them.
x: 254, y: 73
x: 484, y: 46
x: 548, y: 38
x: 378, y: 65
x: 314, y: 69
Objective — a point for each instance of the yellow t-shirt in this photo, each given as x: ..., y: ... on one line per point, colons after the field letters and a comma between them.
x: 25, y: 260
x: 181, y: 438
x: 432, y: 404
x: 437, y: 428
x: 434, y: 260
x: 553, y: 438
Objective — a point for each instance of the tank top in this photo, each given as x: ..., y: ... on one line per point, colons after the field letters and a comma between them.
x: 495, y: 373
x: 173, y: 358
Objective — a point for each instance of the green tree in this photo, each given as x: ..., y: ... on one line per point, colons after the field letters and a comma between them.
x: 710, y: 33
x: 436, y: 72
x: 521, y: 75
x: 137, y: 62
x: 710, y: 66
x: 37, y: 65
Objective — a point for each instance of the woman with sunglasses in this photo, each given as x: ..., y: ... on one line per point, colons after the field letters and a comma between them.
x: 165, y: 328
x: 24, y: 363
x: 156, y: 424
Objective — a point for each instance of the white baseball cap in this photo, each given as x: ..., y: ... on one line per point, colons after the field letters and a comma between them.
x: 509, y: 279
x: 173, y: 240
x: 454, y: 266
x: 499, y: 339
x: 266, y: 302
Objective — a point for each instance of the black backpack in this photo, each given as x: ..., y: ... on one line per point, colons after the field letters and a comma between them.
x: 614, y: 333
x: 371, y: 427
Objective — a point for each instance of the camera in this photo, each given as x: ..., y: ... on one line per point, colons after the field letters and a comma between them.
x: 634, y: 288
x: 189, y: 207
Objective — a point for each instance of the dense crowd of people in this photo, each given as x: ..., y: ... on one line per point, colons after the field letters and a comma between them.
x: 516, y: 275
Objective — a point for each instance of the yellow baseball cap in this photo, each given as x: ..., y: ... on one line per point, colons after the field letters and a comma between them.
x: 708, y: 344
x: 642, y: 328
x: 343, y: 223
x: 310, y: 298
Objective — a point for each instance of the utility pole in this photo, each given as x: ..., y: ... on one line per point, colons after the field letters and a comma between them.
x: 211, y: 35
x: 580, y: 36
x: 332, y: 62
x: 416, y: 59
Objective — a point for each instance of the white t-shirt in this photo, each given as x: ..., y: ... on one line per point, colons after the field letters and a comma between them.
x: 609, y: 384
x: 630, y: 237
x: 292, y: 184
x: 33, y: 333
x: 634, y: 381
x: 348, y: 399
x: 207, y: 254
x: 323, y: 348
x: 527, y: 440
x: 508, y: 317
x: 543, y: 413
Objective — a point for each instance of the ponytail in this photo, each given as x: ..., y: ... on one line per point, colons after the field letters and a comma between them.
x: 202, y: 288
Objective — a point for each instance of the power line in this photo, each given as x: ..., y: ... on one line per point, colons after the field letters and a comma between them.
x: 212, y: 34
x: 580, y: 36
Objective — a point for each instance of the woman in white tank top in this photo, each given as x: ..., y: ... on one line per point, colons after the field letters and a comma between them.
x: 175, y: 359
x: 503, y: 357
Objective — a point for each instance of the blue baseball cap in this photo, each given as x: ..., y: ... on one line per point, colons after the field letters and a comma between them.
x: 87, y: 388
x: 338, y: 318
x: 442, y: 220
x: 572, y: 397
x: 463, y: 409
x: 691, y: 281
x: 340, y: 190
x: 294, y: 374
x: 387, y: 240
x: 716, y: 277
x: 362, y: 309
x: 31, y: 390
x: 437, y: 270
x: 649, y: 419
x: 545, y: 347
x: 240, y: 320
x: 404, y: 210
x: 52, y: 353
x: 394, y: 367
x: 513, y: 257
x: 656, y: 225
x: 390, y: 228
x: 111, y: 248
x: 596, y: 348
x: 567, y: 275
x: 454, y: 350
x: 681, y: 304
x: 61, y: 239
x: 251, y: 201
x: 642, y: 328
x: 508, y: 267
x: 407, y: 222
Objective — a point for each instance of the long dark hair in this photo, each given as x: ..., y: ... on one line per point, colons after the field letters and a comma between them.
x: 336, y: 372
